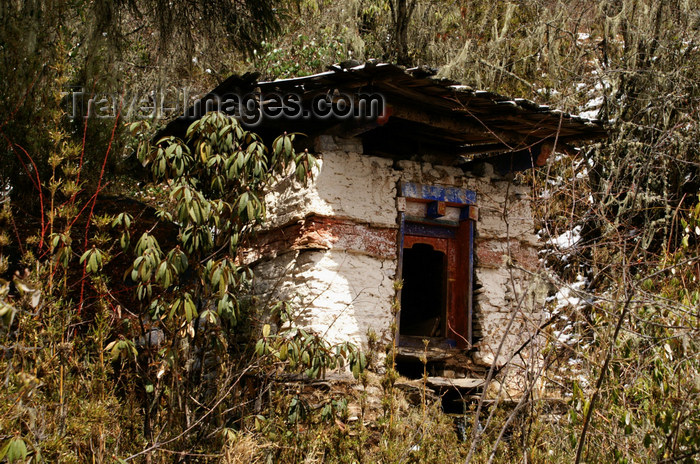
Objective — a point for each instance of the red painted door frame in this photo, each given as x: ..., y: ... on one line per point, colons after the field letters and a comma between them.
x: 458, y: 298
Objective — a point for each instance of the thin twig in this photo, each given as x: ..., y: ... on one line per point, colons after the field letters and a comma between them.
x: 601, y: 378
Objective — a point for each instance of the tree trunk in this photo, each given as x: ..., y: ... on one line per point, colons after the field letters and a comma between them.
x: 401, y: 12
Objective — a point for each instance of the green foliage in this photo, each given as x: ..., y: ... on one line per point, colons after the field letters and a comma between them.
x: 92, y: 259
x: 190, y: 336
x: 215, y: 192
x: 14, y: 450
x: 302, y: 55
x: 321, y: 426
x: 194, y: 290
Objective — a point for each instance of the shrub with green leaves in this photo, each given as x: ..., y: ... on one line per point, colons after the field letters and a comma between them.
x: 216, y: 177
x: 192, y: 288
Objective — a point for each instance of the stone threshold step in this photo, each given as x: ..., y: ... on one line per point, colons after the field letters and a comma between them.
x: 459, y: 384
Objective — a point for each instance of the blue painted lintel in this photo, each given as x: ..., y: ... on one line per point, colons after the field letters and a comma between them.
x: 452, y: 195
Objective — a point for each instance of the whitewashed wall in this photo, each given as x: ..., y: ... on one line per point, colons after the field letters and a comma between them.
x: 342, y: 291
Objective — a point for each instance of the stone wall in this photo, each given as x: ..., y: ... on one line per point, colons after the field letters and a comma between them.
x: 331, y: 248
x: 509, y: 293
x: 339, y: 294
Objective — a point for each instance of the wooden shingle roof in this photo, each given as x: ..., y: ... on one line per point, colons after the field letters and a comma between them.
x: 424, y: 110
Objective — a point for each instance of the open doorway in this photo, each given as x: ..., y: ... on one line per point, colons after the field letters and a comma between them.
x: 423, y: 307
x: 436, y: 266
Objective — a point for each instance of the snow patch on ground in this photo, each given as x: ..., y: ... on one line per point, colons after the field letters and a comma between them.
x: 570, y: 295
x: 568, y: 239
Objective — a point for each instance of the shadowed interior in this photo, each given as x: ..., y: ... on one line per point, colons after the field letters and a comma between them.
x: 423, y: 293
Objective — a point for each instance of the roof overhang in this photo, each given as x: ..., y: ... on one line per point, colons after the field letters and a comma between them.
x: 419, y: 112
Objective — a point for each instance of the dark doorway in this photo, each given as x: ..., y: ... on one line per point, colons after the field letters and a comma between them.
x: 423, y: 293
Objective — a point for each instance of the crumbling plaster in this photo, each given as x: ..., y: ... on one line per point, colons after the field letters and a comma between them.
x: 341, y: 291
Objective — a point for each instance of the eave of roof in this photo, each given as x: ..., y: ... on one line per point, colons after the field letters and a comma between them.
x: 470, y: 121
